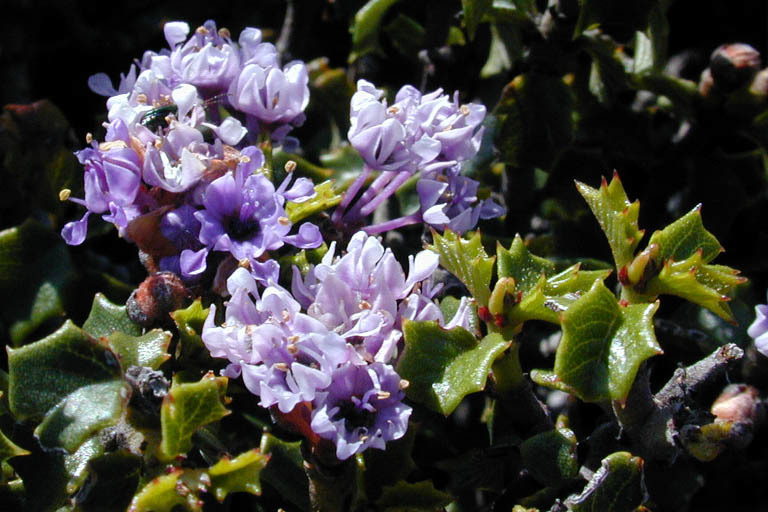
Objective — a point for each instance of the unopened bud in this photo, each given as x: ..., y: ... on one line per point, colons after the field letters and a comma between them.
x: 156, y: 297
x: 759, y: 85
x: 733, y: 65
x: 737, y: 403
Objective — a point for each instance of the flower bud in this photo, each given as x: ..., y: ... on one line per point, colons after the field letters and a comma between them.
x: 733, y: 65
x: 156, y: 297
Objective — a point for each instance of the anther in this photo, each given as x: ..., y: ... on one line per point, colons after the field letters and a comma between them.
x: 224, y: 32
x: 88, y: 138
x: 244, y: 263
x: 383, y: 395
x: 64, y: 194
x: 290, y: 166
x: 464, y: 110
x: 393, y: 110
x: 141, y: 98
x: 201, y: 30
x: 285, y: 221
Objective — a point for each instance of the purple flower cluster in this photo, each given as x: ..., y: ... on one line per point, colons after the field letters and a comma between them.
x: 173, y: 176
x: 331, y: 343
x: 429, y: 133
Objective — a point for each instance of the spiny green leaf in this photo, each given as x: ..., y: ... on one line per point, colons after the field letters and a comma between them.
x: 551, y: 456
x: 474, y: 10
x: 285, y: 471
x: 617, y: 217
x: 520, y: 264
x: 76, y: 464
x: 416, y: 497
x: 326, y: 197
x: 191, y: 350
x: 685, y: 249
x: 616, y: 487
x: 538, y: 294
x: 602, y: 347
x: 106, y: 318
x: 443, y: 366
x: 365, y: 31
x: 149, y: 350
x: 186, y: 408
x: 467, y: 260
x: 81, y: 414
x: 240, y: 474
x: 43, y: 373
x: 160, y: 495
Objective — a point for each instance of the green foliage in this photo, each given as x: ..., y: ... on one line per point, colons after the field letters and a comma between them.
x: 602, y: 347
x: 443, y: 366
x: 365, y: 31
x: 106, y: 318
x: 467, y: 260
x: 187, y: 407
x: 617, y: 217
x: 616, y: 487
x: 35, y: 269
x: 539, y: 293
x: 240, y: 474
x: 416, y: 497
x: 551, y: 456
x: 8, y: 449
x: 284, y: 471
x: 44, y: 373
x: 474, y: 11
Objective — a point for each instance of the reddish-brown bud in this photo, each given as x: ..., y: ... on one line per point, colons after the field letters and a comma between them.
x: 733, y: 65
x: 156, y: 297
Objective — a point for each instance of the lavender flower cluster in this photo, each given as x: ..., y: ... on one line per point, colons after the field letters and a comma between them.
x: 330, y: 343
x: 179, y: 175
x: 178, y: 180
x: 429, y: 134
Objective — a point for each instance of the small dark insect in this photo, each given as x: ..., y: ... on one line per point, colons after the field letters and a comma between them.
x: 157, y: 117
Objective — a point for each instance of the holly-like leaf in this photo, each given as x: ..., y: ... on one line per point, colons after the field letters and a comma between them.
x: 161, y: 495
x: 538, y: 294
x: 81, y: 414
x: 150, y: 350
x: 187, y: 407
x: 467, y: 260
x: 617, y: 217
x: 106, y: 318
x: 602, y: 347
x: 387, y: 467
x: 44, y: 373
x: 443, y: 366
x: 365, y: 31
x: 416, y: 497
x: 240, y: 474
x: 326, y: 196
x: 685, y: 249
x: 616, y: 487
x: 551, y: 456
x: 189, y: 321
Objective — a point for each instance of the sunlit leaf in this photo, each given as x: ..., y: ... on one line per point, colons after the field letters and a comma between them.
x: 241, y: 474
x: 551, y: 456
x: 187, y: 407
x: 602, y: 347
x: 365, y: 31
x: 467, y: 260
x: 617, y: 217
x: 443, y: 366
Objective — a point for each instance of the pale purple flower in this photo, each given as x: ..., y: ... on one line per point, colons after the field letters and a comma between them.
x: 243, y: 214
x: 362, y: 408
x: 427, y: 133
x: 358, y: 295
x: 273, y: 96
x: 759, y: 329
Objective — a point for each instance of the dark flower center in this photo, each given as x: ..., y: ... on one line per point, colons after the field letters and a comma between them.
x: 355, y: 416
x: 242, y: 230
